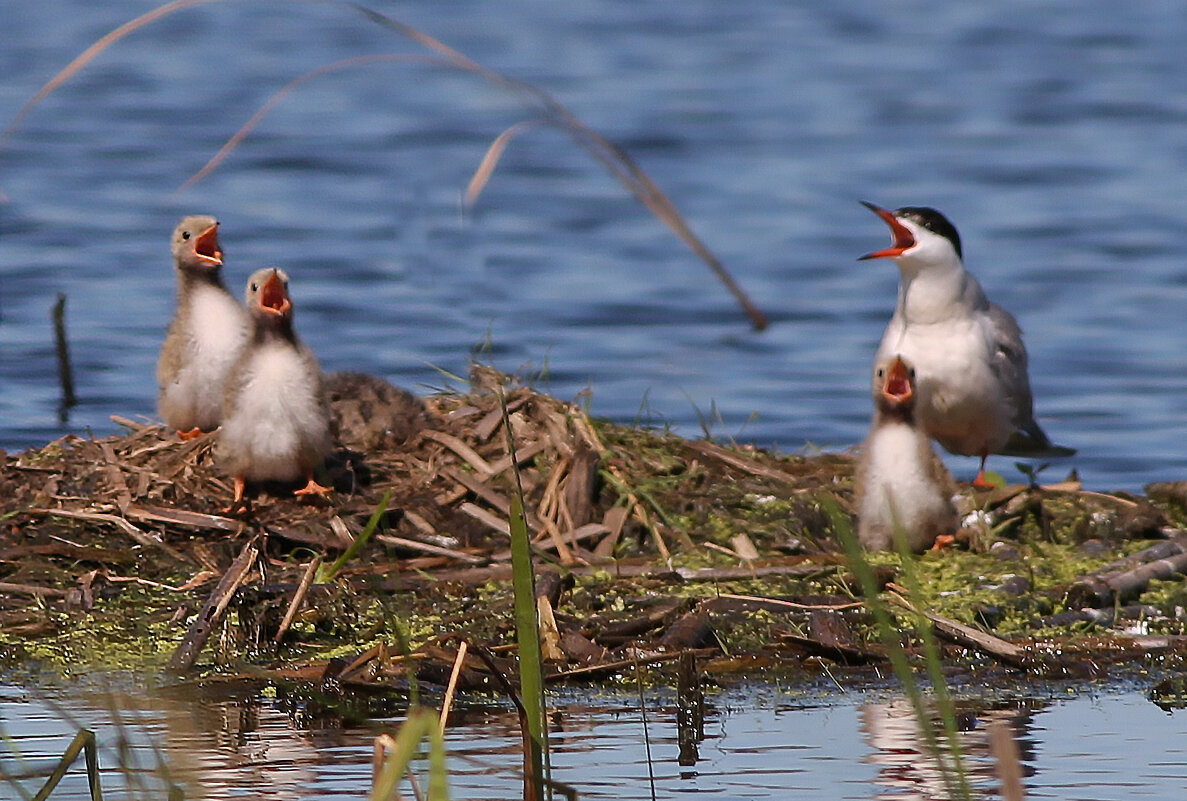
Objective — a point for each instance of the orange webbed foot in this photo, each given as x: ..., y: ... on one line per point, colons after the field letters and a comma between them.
x: 980, y: 483
x: 193, y: 433
x: 943, y: 541
x: 313, y: 488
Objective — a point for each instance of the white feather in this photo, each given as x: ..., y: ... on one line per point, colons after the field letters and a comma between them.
x: 276, y: 428
x: 215, y: 335
x: 900, y: 491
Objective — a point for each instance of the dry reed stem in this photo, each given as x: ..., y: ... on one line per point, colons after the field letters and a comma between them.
x: 298, y: 598
x: 375, y: 652
x: 123, y: 525
x: 614, y: 519
x: 429, y: 548
x: 486, y: 518
x: 33, y: 589
x: 490, y: 160
x: 381, y: 746
x: 550, y: 636
x: 95, y: 49
x: 280, y: 94
x: 1008, y: 760
x: 791, y: 604
x: 522, y: 455
x: 468, y: 454
x: 451, y: 687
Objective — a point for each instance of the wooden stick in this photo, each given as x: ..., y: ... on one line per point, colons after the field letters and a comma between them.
x: 482, y: 516
x: 451, y: 688
x: 460, y: 448
x: 141, y: 537
x: 298, y: 599
x: 970, y: 637
x: 191, y: 645
x: 1128, y: 578
x: 65, y: 372
x: 751, y: 466
x: 33, y: 589
x: 521, y: 455
x: 435, y: 550
x: 184, y: 517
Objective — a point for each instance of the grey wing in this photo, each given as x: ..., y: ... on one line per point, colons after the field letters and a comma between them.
x: 1010, y: 364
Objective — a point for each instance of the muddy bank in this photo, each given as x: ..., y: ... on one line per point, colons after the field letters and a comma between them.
x: 116, y: 553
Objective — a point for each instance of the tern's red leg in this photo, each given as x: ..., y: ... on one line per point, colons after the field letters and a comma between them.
x: 979, y: 482
x: 237, y: 502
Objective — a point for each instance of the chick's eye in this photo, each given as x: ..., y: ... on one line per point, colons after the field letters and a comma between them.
x: 881, y: 372
x: 254, y: 288
x: 912, y: 372
x: 185, y: 234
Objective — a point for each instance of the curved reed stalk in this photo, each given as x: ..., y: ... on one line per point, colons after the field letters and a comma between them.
x: 613, y: 157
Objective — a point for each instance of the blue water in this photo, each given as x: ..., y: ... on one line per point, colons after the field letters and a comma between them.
x: 1051, y: 134
x: 757, y: 744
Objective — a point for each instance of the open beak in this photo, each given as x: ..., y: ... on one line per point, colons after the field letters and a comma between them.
x: 898, y: 387
x: 903, y: 239
x: 274, y: 298
x: 206, y: 246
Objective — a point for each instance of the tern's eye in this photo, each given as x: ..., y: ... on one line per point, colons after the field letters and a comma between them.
x: 185, y: 234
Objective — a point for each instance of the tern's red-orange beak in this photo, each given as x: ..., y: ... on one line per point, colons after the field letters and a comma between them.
x: 206, y: 246
x: 897, y: 388
x: 274, y: 298
x: 903, y: 239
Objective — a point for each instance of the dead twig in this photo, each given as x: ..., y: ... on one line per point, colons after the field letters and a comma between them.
x: 298, y: 599
x: 468, y: 454
x: 141, y: 537
x: 191, y: 645
x: 62, y: 346
x: 983, y: 641
x: 451, y: 688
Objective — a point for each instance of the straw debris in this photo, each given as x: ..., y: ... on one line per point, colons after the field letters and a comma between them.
x: 115, y: 552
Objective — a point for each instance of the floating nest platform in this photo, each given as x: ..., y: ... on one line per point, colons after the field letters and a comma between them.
x: 117, y: 553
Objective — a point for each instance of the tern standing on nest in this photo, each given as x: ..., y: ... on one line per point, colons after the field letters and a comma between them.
x: 276, y: 423
x: 206, y: 336
x: 971, y: 365
x: 901, y: 485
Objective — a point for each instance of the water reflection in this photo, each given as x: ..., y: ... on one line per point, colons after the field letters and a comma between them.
x: 908, y: 767
x: 759, y: 743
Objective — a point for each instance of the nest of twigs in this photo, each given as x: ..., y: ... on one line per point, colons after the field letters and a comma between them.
x: 648, y: 545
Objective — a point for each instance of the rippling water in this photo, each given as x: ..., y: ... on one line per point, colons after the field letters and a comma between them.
x: 1051, y: 134
x: 756, y: 744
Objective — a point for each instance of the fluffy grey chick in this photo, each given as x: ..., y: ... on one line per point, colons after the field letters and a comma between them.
x: 276, y: 424
x: 901, y: 483
x: 206, y: 336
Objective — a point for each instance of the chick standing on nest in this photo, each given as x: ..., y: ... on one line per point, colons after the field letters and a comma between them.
x: 206, y: 336
x: 276, y: 424
x: 901, y: 484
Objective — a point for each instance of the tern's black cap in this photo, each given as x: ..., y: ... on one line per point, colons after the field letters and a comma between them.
x: 933, y: 221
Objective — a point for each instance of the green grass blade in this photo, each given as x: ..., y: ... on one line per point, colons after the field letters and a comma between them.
x: 531, y: 667
x: 373, y: 523
x: 952, y: 770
